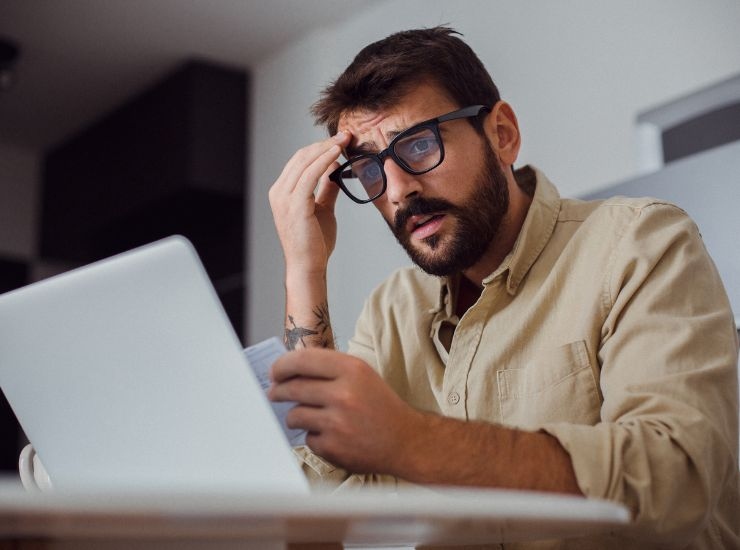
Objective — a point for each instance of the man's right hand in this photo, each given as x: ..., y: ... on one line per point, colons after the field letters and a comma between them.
x: 305, y: 223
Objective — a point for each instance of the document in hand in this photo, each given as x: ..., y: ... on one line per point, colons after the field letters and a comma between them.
x: 261, y: 357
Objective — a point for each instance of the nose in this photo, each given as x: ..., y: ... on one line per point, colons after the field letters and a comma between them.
x: 400, y: 185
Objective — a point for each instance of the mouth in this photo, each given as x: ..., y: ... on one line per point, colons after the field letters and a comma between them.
x: 421, y: 227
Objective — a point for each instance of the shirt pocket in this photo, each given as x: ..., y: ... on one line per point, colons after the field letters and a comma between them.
x: 558, y: 385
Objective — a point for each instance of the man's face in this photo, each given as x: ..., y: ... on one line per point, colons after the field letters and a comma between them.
x: 445, y: 219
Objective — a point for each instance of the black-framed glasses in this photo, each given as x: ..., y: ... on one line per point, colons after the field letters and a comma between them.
x: 416, y: 150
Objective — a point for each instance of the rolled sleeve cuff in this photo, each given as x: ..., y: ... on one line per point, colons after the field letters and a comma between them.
x: 588, y: 455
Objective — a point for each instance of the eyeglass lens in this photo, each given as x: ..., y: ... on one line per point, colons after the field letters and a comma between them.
x: 417, y: 153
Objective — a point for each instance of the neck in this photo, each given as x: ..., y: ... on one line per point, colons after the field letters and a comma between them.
x: 467, y: 294
x: 502, y: 245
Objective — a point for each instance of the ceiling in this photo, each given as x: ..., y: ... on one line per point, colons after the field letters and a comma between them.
x: 81, y: 58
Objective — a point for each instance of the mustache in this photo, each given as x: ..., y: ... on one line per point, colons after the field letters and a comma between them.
x: 419, y: 206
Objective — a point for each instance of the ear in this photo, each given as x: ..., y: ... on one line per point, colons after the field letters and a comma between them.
x: 502, y: 131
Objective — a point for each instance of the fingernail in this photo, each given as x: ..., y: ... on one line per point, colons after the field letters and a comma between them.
x: 339, y: 136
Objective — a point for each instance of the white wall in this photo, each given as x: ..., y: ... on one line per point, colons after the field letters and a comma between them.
x: 18, y: 205
x: 576, y: 71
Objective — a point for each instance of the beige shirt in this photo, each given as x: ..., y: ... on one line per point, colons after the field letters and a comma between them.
x: 606, y: 326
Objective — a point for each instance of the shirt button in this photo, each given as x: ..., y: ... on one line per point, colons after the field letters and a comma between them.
x: 453, y: 398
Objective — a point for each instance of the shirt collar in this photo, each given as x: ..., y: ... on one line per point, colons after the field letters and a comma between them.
x: 447, y: 295
x: 536, y: 231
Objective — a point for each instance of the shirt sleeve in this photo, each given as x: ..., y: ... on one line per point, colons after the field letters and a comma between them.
x: 667, y: 442
x: 324, y: 476
x: 361, y: 344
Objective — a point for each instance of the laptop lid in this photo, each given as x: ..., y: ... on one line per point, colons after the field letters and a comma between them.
x: 127, y: 375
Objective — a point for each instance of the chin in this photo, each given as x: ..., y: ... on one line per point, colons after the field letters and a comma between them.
x: 432, y: 241
x: 433, y: 259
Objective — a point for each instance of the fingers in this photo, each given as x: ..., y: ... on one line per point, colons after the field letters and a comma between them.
x: 314, y: 421
x: 305, y: 418
x: 308, y: 180
x: 306, y: 391
x: 310, y: 363
x: 307, y: 165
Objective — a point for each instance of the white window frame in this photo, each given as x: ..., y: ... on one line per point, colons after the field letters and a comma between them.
x: 652, y: 123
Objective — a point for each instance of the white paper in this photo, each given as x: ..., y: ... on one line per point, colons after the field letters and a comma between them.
x: 261, y: 356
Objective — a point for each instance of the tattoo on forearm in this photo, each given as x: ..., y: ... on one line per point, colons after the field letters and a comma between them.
x: 322, y: 315
x: 322, y: 330
x: 296, y: 334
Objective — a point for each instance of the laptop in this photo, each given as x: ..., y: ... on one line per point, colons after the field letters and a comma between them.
x: 126, y: 375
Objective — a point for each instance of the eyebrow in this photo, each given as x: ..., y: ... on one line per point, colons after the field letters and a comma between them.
x: 370, y: 147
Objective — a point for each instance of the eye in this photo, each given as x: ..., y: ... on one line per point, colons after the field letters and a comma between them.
x: 418, y: 147
x: 370, y: 173
x: 421, y: 146
x: 367, y: 171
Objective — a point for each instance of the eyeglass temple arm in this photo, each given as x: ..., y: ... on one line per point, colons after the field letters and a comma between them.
x: 473, y: 110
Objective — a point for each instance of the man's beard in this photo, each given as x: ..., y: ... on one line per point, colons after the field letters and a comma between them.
x: 478, y: 221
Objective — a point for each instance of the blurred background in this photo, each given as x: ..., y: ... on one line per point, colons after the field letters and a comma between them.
x: 124, y: 121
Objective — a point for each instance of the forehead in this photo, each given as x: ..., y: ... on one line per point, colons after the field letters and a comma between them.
x: 378, y: 127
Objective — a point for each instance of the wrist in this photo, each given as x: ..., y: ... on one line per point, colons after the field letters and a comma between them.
x: 303, y: 286
x: 300, y: 274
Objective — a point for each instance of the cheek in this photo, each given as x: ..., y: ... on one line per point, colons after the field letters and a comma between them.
x: 458, y: 172
x: 463, y: 159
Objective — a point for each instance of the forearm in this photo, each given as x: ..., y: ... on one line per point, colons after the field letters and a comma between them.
x: 307, y: 322
x: 302, y: 202
x: 357, y: 422
x: 447, y: 451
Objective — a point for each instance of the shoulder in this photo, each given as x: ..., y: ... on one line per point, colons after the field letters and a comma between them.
x: 406, y: 287
x: 617, y: 215
x: 394, y: 313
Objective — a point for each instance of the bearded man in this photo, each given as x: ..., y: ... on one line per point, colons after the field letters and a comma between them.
x: 541, y: 343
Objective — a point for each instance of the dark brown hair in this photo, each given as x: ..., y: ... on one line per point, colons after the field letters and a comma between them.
x: 384, y: 71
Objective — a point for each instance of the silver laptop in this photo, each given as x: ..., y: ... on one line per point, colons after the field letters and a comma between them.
x: 127, y: 375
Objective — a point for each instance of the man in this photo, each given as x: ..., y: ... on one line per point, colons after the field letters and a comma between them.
x: 546, y: 344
